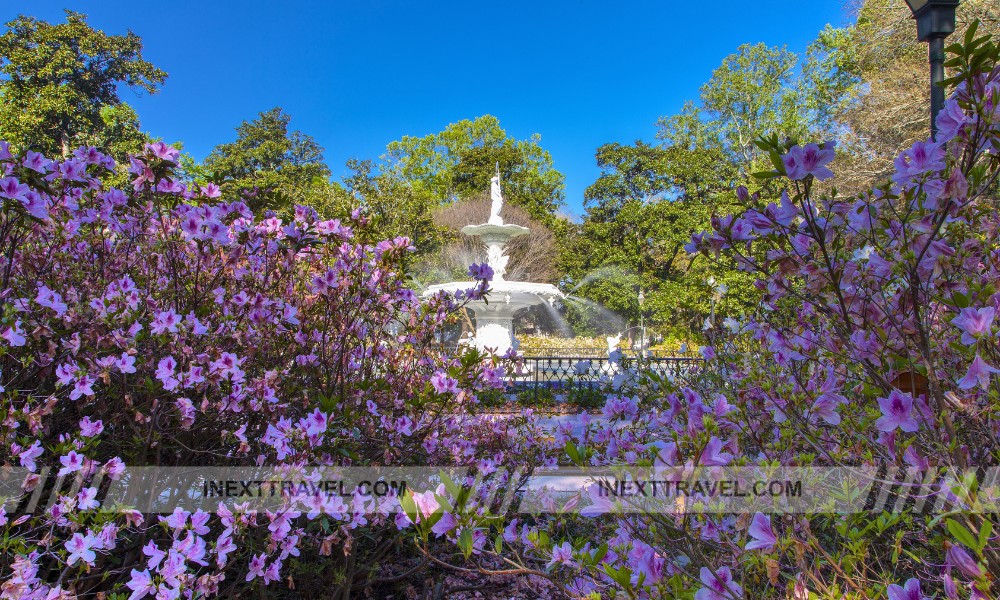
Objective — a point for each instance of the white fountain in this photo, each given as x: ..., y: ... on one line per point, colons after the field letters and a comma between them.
x: 495, y: 313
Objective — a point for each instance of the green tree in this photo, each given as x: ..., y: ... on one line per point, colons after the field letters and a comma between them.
x: 458, y: 162
x: 390, y: 204
x: 271, y: 167
x: 59, y: 85
x: 875, y: 71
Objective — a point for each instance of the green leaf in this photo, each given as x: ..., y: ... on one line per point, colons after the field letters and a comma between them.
x: 465, y: 542
x: 963, y: 535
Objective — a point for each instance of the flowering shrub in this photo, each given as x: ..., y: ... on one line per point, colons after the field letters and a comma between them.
x: 876, y: 345
x: 157, y: 326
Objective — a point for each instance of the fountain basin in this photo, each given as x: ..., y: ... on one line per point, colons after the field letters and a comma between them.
x: 495, y: 314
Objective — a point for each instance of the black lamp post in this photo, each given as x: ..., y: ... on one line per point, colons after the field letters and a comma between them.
x: 935, y: 21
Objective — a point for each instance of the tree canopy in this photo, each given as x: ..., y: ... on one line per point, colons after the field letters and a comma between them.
x: 60, y: 85
x: 271, y: 166
x: 458, y: 162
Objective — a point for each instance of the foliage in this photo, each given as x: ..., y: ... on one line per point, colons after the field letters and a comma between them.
x: 153, y: 326
x: 270, y: 167
x: 60, y: 86
x: 875, y: 346
x: 459, y: 161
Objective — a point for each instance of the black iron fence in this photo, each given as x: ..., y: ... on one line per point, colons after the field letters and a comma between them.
x: 580, y: 379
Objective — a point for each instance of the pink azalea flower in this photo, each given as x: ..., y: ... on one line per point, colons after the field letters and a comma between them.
x: 563, y: 555
x: 909, y: 591
x: 13, y: 334
x: 979, y: 374
x: 50, y: 299
x: 273, y: 572
x: 163, y: 151
x: 256, y: 567
x: 713, y: 455
x: 443, y: 384
x: 975, y: 322
x: 36, y: 205
x: 126, y: 363
x: 90, y: 428
x: 80, y: 548
x: 165, y: 321
x: 29, y: 454
x: 426, y: 503
x: 83, y: 387
x: 115, y: 468
x: 446, y: 523
x: 71, y: 463
x: 896, y: 413
x: 958, y: 557
x: 761, y: 532
x: 87, y: 499
x: 66, y: 373
x: 37, y: 162
x: 718, y: 585
x: 211, y: 191
x: 141, y: 584
x: 13, y: 189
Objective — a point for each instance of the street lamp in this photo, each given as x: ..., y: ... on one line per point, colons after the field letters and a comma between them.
x: 935, y: 21
x: 642, y: 325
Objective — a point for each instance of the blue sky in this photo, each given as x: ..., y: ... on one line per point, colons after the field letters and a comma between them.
x: 357, y: 75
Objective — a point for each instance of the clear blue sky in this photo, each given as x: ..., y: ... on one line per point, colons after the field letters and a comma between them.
x: 358, y: 74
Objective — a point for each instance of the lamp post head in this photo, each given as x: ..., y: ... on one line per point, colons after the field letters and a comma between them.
x: 642, y: 298
x: 935, y: 18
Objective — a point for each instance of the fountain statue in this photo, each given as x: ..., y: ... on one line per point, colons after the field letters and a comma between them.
x: 495, y: 313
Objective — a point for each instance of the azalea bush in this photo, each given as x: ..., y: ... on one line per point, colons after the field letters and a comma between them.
x: 876, y: 346
x: 158, y: 325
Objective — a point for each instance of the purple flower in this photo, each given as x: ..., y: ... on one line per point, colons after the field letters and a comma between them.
x: 79, y: 547
x: 443, y: 384
x: 761, y: 532
x: 921, y: 158
x: 90, y: 428
x: 163, y: 151
x: 211, y: 191
x: 482, y: 272
x: 896, y: 413
x: 13, y: 334
x: 909, y: 591
x: 256, y: 567
x: 600, y: 503
x: 83, y: 387
x: 974, y: 322
x: 141, y: 584
x: 87, y: 499
x: 36, y: 205
x: 11, y: 188
x: 37, y: 162
x: 50, y: 299
x: 29, y: 454
x: 718, y: 585
x: 713, y: 455
x: 958, y: 557
x: 562, y: 555
x: 978, y: 374
x: 950, y: 120
x: 802, y: 161
x: 446, y: 523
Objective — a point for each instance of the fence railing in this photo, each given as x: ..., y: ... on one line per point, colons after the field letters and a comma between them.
x: 557, y: 352
x: 577, y: 375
